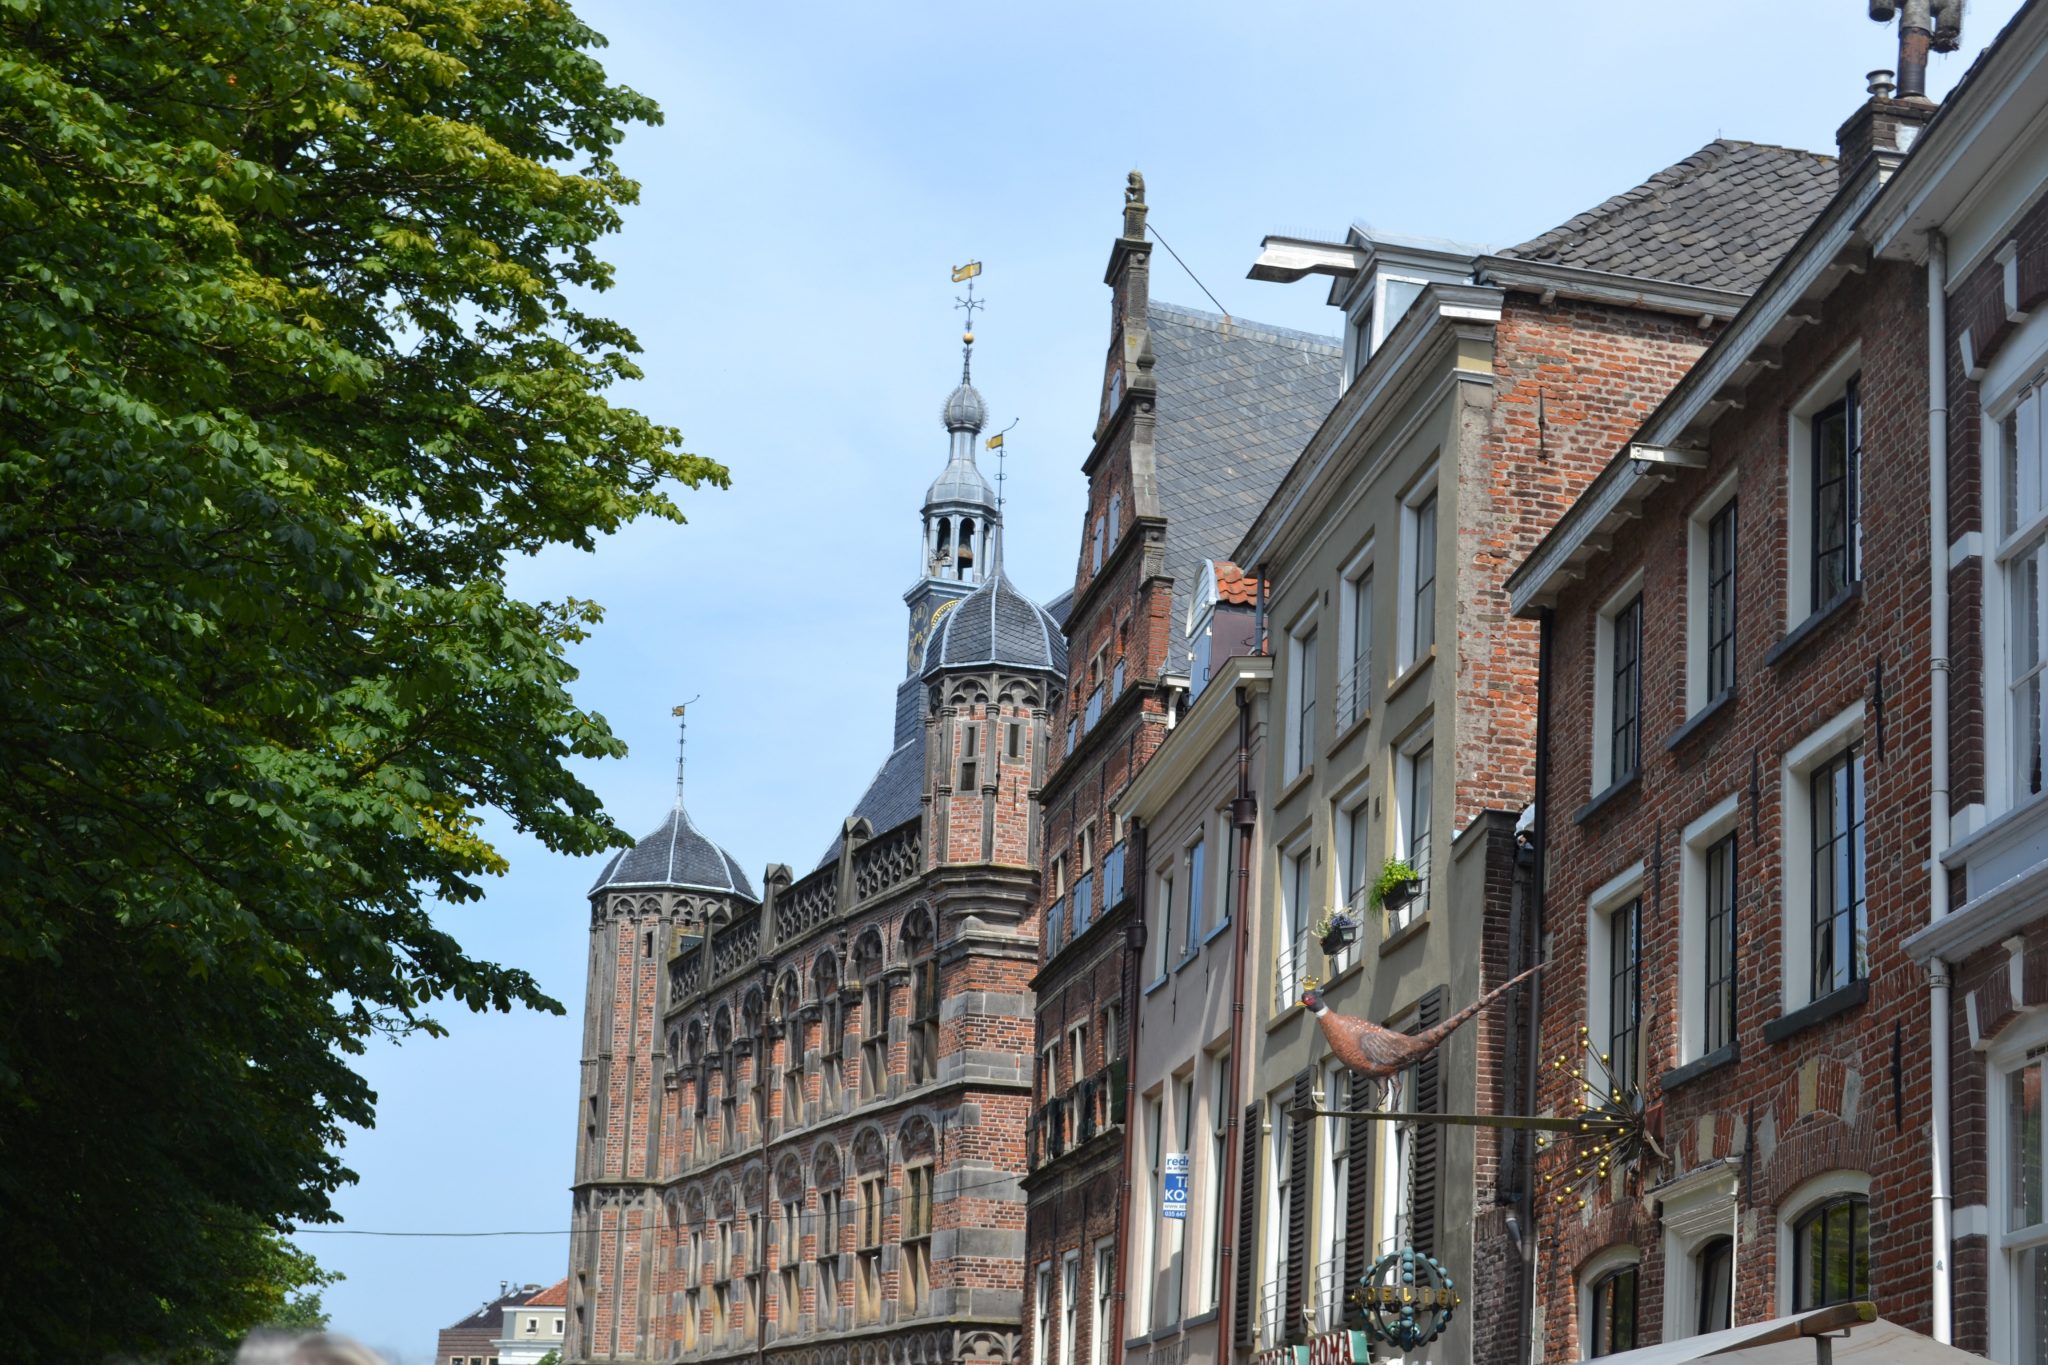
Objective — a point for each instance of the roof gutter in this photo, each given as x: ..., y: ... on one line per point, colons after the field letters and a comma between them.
x: 1603, y: 286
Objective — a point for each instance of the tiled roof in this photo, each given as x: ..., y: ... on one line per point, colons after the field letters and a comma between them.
x: 1237, y: 402
x: 491, y: 1317
x: 1235, y: 586
x: 555, y: 1295
x: 1720, y: 219
x: 995, y: 625
x: 676, y: 855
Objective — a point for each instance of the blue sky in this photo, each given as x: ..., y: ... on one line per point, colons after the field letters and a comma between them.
x: 820, y: 171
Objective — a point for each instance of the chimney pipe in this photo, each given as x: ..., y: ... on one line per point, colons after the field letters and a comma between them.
x: 1880, y: 84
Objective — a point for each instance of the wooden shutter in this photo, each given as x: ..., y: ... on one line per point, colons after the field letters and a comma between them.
x: 1247, y: 1216
x: 1358, y: 1248
x: 1429, y: 1137
x: 1299, y: 1130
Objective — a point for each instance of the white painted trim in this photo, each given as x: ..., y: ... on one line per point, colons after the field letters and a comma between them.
x: 1609, y: 897
x: 1705, y: 831
x: 1795, y: 841
x: 1696, y: 565
x: 1797, y: 569
x: 1966, y: 547
x: 1712, y: 1192
x: 2023, y: 1036
x: 1603, y: 679
x: 1597, y: 1267
x: 1818, y: 1190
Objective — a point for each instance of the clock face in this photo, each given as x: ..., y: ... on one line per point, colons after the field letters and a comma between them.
x: 923, y: 617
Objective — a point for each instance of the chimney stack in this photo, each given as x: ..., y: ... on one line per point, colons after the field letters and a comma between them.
x: 1924, y: 26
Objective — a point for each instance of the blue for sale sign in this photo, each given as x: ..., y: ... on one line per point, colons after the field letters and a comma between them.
x: 1173, y: 1196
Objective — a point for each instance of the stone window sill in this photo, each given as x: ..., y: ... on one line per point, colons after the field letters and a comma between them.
x: 1406, y: 934
x: 1819, y: 1012
x: 1701, y: 1066
x: 1598, y: 803
x: 1815, y: 623
x: 1411, y: 673
x: 1699, y: 719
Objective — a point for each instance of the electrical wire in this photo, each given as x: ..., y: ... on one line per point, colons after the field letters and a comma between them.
x: 1191, y: 274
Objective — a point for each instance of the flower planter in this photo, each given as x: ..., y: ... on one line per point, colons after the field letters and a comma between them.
x: 1340, y: 933
x: 1399, y: 893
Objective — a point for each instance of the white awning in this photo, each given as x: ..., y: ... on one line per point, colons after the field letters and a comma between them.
x: 1844, y: 1334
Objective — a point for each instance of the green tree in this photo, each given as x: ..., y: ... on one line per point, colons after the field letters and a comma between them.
x: 296, y: 347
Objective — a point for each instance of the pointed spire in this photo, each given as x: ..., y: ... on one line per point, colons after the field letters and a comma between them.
x: 682, y: 742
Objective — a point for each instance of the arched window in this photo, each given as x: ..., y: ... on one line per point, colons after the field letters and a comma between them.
x: 1607, y: 1302
x: 874, y: 1017
x: 1613, y: 1312
x: 754, y: 1012
x: 919, y: 946
x: 831, y: 1034
x: 963, y: 557
x: 1831, y: 1252
x: 788, y: 1001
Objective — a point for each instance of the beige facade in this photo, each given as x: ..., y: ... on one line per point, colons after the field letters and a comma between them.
x: 1362, y: 555
x: 1190, y: 1078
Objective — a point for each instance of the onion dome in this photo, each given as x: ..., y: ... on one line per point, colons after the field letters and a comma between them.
x: 964, y: 409
x: 995, y: 626
x: 961, y: 483
x: 677, y: 857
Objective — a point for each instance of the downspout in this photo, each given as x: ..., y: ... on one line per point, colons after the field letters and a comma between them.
x: 1243, y: 814
x: 1134, y: 944
x: 1943, y: 1194
x: 1532, y: 1052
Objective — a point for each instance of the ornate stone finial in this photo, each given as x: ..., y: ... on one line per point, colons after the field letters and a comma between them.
x: 1134, y: 206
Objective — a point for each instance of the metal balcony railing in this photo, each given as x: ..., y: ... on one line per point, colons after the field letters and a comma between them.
x: 1418, y: 858
x: 1354, y: 692
x: 1291, y: 964
x: 1331, y: 1291
x: 1272, y: 1307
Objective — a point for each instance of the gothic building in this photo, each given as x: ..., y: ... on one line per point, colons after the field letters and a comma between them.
x: 801, y: 1128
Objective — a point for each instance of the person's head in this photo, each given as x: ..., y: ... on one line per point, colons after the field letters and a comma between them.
x: 317, y: 1348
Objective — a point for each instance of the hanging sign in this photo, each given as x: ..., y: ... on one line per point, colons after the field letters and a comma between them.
x: 1173, y: 1195
x: 1407, y: 1298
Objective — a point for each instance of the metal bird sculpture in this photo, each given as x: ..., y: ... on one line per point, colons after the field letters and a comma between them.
x: 1382, y: 1053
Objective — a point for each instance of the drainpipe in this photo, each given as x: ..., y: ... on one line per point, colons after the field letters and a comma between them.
x: 1943, y: 1194
x: 1243, y: 813
x: 1532, y: 1054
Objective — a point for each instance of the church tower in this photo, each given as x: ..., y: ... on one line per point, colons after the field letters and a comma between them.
x: 962, y: 517
x: 650, y: 912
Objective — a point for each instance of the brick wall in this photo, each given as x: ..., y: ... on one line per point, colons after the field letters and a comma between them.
x: 1827, y: 1096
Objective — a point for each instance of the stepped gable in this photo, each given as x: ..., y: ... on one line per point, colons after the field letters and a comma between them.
x: 1719, y: 219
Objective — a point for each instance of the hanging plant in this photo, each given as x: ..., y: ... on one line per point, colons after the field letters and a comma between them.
x: 1336, y: 933
x: 1398, y: 884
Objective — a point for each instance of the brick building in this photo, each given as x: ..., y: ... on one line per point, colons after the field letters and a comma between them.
x: 802, y: 1113
x: 1747, y: 773
x: 1484, y: 390
x: 1199, y: 415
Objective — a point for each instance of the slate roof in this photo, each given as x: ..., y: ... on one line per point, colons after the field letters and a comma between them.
x: 1720, y: 219
x: 1237, y: 403
x: 996, y: 626
x: 677, y: 855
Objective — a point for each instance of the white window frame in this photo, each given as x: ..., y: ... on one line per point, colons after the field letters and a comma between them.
x: 1698, y: 562
x: 1045, y: 1309
x: 1164, y: 918
x: 1795, y: 851
x: 1603, y: 685
x: 1298, y: 752
x: 1797, y: 570
x: 1351, y: 839
x: 1196, y: 850
x: 1823, y: 1187
x: 1297, y: 892
x: 1354, y: 654
x: 1406, y: 654
x: 1070, y: 1291
x: 1701, y: 835
x: 1145, y: 1268
x: 1406, y: 761
x: 1619, y: 1257
x: 2023, y: 1043
x: 1215, y: 1179
x: 1605, y: 901
x: 1703, y: 1208
x: 1279, y: 1184
x: 1393, y: 1159
x: 1326, y: 1267
x: 1105, y: 1270
x: 2021, y: 365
